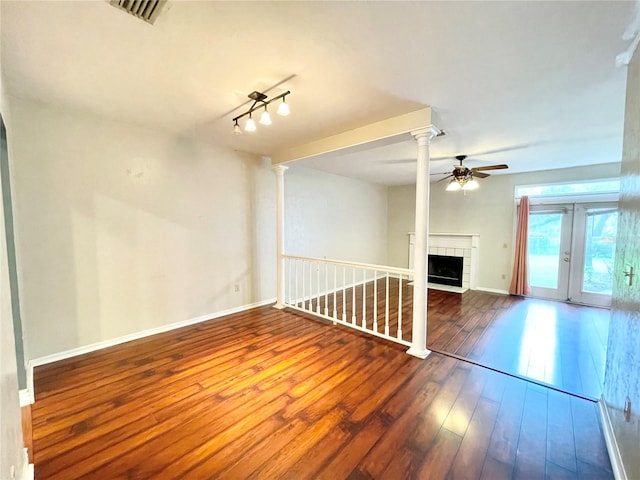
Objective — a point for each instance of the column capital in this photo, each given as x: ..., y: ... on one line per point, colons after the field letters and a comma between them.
x: 427, y: 132
x: 279, y: 169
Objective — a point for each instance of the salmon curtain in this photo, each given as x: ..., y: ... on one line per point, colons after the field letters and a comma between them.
x: 520, y: 278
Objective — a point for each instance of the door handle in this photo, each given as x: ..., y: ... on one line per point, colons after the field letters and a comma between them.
x: 566, y: 259
x: 629, y: 274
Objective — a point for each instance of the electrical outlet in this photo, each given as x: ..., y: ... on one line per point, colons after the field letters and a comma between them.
x: 236, y: 288
x: 12, y: 472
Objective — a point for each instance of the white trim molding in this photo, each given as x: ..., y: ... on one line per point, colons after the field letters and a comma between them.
x: 493, y: 290
x: 28, y: 472
x: 26, y: 397
x: 55, y: 357
x: 610, y: 439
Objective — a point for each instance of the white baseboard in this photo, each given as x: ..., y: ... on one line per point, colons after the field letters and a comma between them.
x: 25, y: 396
x: 446, y: 288
x: 28, y: 472
x: 55, y: 357
x: 615, y: 457
x: 492, y: 290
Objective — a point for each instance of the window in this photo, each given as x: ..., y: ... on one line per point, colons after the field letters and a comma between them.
x: 570, y: 189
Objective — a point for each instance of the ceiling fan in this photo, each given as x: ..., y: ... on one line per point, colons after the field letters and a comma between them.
x: 463, y: 178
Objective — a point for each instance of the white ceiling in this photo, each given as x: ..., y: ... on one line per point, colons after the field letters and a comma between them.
x: 537, y: 78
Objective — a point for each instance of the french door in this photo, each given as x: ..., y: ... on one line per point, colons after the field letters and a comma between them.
x: 571, y: 251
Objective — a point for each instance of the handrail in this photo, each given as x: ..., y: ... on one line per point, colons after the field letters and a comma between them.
x: 368, y: 266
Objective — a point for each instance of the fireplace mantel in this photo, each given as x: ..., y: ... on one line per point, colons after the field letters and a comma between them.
x: 465, y: 245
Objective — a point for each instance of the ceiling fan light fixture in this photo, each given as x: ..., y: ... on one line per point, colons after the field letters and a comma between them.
x: 470, y: 184
x: 453, y: 186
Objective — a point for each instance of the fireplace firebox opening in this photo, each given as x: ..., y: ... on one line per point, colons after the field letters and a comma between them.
x: 445, y: 270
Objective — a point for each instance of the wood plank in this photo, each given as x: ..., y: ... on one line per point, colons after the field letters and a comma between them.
x: 531, y: 458
x: 469, y: 461
x: 561, y: 449
x: 506, y: 433
x: 492, y: 469
x: 439, y: 458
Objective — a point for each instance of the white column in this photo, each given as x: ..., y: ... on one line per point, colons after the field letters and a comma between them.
x: 280, y: 169
x: 419, y: 334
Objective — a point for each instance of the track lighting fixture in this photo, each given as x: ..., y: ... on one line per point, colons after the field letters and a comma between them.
x: 260, y: 101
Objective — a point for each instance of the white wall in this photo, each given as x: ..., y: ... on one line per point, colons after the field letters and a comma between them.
x: 335, y: 217
x: 120, y: 229
x: 401, y: 220
x: 488, y: 211
x: 11, y: 448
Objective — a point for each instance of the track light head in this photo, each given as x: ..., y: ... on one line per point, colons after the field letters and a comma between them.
x: 250, y: 125
x: 283, y: 108
x: 265, y: 118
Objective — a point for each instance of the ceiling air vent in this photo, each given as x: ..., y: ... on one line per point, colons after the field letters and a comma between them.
x: 147, y: 10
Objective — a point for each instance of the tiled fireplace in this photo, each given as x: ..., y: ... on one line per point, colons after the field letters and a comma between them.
x: 464, y: 245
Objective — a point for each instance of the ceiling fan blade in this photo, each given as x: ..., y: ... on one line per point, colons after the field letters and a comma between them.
x: 442, y: 179
x: 502, y: 166
x: 479, y: 174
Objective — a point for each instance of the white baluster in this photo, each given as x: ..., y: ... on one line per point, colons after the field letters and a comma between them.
x: 386, y: 307
x: 318, y: 289
x: 400, y: 307
x: 311, y: 286
x: 304, y: 303
x: 326, y: 289
x: 344, y: 294
x: 364, y: 298
x: 289, y: 261
x: 353, y: 298
x: 297, y: 299
x: 375, y: 301
x: 335, y: 289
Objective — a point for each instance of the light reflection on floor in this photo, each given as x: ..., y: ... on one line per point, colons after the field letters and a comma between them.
x: 556, y: 343
x: 537, y: 358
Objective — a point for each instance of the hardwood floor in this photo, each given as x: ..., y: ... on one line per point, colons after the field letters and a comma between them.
x: 556, y: 343
x: 273, y: 394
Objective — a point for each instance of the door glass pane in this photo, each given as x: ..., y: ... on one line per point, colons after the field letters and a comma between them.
x: 545, y: 229
x: 600, y: 250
